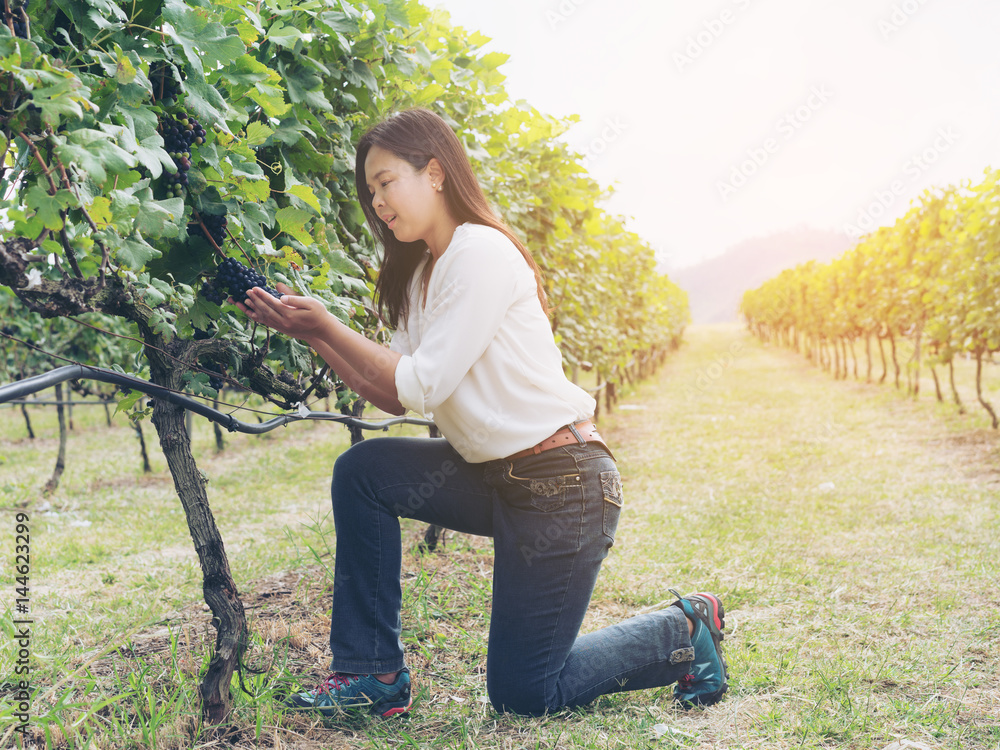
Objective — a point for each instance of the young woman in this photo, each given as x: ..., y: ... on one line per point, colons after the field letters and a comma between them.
x: 520, y: 460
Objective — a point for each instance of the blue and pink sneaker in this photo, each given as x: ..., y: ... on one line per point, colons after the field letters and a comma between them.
x: 341, y: 693
x: 707, y: 681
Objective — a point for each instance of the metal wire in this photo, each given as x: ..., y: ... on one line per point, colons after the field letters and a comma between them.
x: 21, y: 388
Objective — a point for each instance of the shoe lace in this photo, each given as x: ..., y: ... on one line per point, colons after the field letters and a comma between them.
x: 333, y: 683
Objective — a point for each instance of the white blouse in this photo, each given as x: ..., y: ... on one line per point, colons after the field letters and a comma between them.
x: 479, y: 358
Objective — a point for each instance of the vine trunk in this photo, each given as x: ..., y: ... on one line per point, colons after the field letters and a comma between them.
x: 218, y: 587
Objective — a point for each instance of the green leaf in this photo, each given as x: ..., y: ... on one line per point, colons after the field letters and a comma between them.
x: 64, y: 98
x: 258, y: 133
x: 493, y: 60
x: 360, y: 74
x: 342, y: 263
x: 270, y: 98
x: 160, y: 218
x: 292, y: 221
x: 205, y: 43
x: 306, y: 194
x: 149, y: 152
x: 206, y: 102
x: 49, y: 207
x: 125, y: 72
x: 260, y: 213
x: 135, y: 253
x: 305, y: 87
x: 339, y: 21
x: 100, y: 210
x: 153, y: 296
x: 284, y: 36
x: 127, y: 402
x: 93, y: 153
x: 247, y: 71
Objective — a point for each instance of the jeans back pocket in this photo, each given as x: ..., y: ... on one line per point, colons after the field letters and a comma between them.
x: 548, y: 493
x: 614, y: 500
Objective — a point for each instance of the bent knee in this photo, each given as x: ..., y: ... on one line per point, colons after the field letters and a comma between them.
x: 519, y: 700
x: 352, y: 471
x: 354, y: 462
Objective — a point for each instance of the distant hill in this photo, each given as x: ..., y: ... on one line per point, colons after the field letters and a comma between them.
x: 716, y: 286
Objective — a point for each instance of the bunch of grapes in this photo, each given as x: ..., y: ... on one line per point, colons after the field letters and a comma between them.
x: 216, y: 226
x: 20, y: 26
x: 179, y: 134
x: 233, y: 279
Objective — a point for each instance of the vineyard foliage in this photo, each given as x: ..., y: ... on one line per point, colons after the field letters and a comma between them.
x: 932, y: 279
x: 105, y: 216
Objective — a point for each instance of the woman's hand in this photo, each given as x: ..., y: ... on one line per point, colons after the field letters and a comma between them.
x: 299, y: 317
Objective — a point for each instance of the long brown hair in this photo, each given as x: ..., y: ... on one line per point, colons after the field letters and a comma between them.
x: 417, y: 136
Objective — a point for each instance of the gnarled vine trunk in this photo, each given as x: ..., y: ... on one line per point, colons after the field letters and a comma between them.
x: 895, y: 360
x: 954, y: 390
x: 885, y: 366
x: 27, y: 421
x: 937, y: 385
x: 57, y: 473
x: 979, y: 391
x: 868, y: 357
x: 916, y: 362
x: 146, y: 467
x: 218, y: 587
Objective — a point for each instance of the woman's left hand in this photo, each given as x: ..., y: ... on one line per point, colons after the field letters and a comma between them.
x: 299, y: 317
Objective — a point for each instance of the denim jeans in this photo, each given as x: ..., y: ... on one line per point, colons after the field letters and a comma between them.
x: 552, y: 517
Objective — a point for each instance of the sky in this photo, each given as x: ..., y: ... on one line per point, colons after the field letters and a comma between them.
x: 723, y: 120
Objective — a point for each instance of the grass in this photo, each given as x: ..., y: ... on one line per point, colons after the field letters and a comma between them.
x: 852, y: 533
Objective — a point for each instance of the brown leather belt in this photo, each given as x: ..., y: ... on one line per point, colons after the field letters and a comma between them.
x: 562, y: 437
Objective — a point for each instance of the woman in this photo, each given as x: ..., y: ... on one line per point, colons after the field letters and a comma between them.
x: 520, y: 460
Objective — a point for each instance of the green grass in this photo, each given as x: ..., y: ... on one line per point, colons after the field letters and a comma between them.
x: 852, y: 533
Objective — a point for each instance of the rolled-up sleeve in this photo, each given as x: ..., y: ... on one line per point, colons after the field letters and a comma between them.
x: 408, y: 388
x: 459, y: 322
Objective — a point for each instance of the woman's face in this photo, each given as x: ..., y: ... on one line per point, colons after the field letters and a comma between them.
x: 406, y: 200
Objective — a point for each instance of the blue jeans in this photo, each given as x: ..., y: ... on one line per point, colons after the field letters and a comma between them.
x: 552, y: 517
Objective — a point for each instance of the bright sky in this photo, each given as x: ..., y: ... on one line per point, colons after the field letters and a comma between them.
x: 722, y: 120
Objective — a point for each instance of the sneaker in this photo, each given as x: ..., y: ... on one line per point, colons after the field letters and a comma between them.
x: 346, y: 692
x: 706, y: 684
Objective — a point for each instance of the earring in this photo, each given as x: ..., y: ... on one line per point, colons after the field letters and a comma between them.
x: 434, y: 184
x: 440, y: 188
